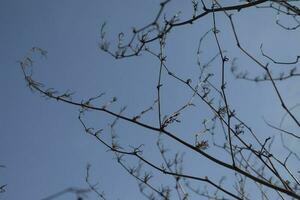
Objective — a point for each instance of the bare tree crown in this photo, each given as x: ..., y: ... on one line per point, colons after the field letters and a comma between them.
x: 206, y: 131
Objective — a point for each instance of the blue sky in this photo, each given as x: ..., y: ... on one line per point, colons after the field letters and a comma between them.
x: 42, y: 143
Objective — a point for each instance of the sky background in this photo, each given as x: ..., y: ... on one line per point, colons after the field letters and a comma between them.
x: 42, y: 143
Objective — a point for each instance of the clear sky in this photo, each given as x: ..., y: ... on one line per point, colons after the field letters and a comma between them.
x: 42, y: 143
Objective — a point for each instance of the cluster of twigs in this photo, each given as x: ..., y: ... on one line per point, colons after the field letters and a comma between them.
x: 2, y: 187
x: 251, y: 160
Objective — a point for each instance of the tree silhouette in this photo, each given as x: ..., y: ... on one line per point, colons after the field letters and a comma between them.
x: 222, y: 141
